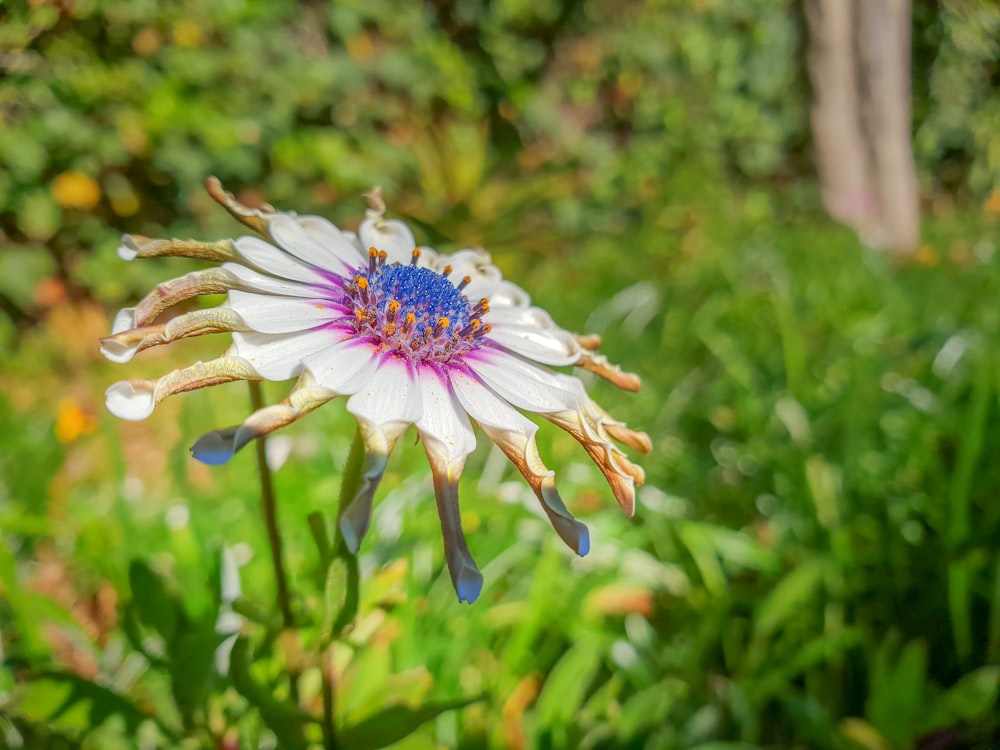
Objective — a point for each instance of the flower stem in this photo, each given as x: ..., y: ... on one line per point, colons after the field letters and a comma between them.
x: 330, y: 741
x: 344, y: 606
x: 269, y: 505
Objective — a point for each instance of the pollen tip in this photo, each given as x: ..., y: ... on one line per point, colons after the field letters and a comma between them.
x: 372, y: 252
x: 443, y: 322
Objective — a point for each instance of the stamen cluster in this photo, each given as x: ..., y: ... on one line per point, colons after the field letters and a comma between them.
x: 414, y: 311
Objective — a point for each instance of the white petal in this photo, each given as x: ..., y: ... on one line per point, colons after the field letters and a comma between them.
x: 524, y: 385
x: 126, y: 401
x: 267, y: 257
x: 270, y: 285
x: 268, y: 314
x: 327, y: 233
x: 331, y: 253
x: 280, y: 356
x: 552, y: 347
x: 484, y: 277
x: 390, y: 235
x: 391, y: 400
x: 443, y: 426
x: 343, y: 368
x: 124, y: 320
x: 534, y: 317
x: 486, y: 407
x: 509, y: 294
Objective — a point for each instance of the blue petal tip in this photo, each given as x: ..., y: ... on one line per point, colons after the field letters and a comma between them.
x: 468, y: 587
x: 583, y: 543
x: 215, y: 448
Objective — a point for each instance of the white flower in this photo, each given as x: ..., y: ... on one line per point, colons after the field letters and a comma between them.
x: 409, y: 336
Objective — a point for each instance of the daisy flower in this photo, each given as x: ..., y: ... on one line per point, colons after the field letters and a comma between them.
x: 409, y: 336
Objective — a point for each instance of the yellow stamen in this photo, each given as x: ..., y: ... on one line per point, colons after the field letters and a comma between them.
x: 362, y: 282
x: 393, y: 307
x: 443, y: 322
x: 390, y: 328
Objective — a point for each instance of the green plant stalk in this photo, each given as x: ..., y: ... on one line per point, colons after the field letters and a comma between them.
x: 269, y: 505
x: 349, y: 608
x: 959, y: 573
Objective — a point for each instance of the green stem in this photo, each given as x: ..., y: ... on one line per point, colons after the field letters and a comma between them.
x: 269, y: 504
x: 330, y: 741
x: 353, y: 471
x: 349, y: 585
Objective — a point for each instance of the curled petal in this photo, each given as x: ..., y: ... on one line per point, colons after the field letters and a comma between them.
x: 137, y: 246
x: 135, y: 399
x: 219, y: 446
x: 390, y: 235
x: 384, y: 410
x: 514, y: 434
x: 255, y: 218
x: 465, y: 576
x: 622, y: 474
x: 356, y: 516
x: 122, y: 346
x: 599, y: 365
x: 589, y: 341
x: 550, y: 347
x: 170, y: 293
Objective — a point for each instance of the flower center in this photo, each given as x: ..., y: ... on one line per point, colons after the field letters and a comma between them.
x: 414, y: 311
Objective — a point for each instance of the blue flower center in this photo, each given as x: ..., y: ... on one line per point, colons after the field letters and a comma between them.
x: 415, y: 312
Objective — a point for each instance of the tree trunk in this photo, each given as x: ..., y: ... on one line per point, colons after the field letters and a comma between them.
x: 859, y: 63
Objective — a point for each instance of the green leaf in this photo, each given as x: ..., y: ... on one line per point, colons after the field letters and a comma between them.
x: 970, y: 697
x: 335, y: 594
x: 75, y: 704
x: 284, y: 718
x: 393, y: 723
x: 566, y: 686
x: 899, y: 696
x: 787, y: 599
x: 155, y: 605
x: 192, y: 663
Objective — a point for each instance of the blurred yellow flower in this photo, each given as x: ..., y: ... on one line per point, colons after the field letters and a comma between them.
x: 72, y: 421
x: 76, y: 190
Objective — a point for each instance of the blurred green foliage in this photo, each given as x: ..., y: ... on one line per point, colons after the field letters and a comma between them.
x: 815, y: 558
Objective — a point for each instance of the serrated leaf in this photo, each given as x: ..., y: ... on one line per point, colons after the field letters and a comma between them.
x: 393, y: 723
